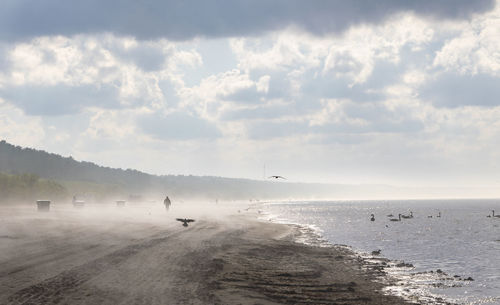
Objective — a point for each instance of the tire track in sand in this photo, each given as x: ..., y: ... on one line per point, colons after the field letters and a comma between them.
x: 53, y: 290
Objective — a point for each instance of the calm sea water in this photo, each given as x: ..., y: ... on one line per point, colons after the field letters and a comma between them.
x: 462, y: 242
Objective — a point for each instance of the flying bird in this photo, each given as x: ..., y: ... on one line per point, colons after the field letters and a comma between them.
x: 277, y: 177
x: 184, y: 221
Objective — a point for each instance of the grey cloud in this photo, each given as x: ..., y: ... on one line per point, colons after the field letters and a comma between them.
x: 377, y: 119
x: 330, y: 87
x: 248, y: 95
x: 181, y: 20
x: 262, y: 112
x: 169, y: 93
x: 177, y: 126
x: 266, y: 130
x: 341, y: 138
x: 4, y: 61
x: 452, y: 90
x: 146, y: 57
x: 377, y: 125
x: 60, y: 99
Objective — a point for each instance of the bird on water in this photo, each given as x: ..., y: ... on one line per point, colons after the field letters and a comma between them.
x: 408, y: 216
x: 277, y: 177
x: 396, y: 219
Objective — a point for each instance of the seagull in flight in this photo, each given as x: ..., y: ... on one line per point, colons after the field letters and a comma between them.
x: 277, y: 177
x: 185, y: 221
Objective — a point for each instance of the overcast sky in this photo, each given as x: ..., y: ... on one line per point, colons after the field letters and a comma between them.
x: 394, y: 92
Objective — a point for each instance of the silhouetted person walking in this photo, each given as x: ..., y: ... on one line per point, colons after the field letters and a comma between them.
x: 167, y: 203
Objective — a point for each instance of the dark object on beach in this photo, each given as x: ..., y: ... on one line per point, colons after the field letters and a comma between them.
x: 403, y: 264
x: 167, y: 203
x: 120, y: 203
x: 277, y: 177
x: 43, y: 205
x: 376, y: 252
x: 185, y: 221
x: 78, y: 203
x: 372, y: 218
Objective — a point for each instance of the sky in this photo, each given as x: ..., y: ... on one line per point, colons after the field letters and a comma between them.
x: 405, y: 93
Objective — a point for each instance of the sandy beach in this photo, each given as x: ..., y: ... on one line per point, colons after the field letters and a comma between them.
x: 63, y: 257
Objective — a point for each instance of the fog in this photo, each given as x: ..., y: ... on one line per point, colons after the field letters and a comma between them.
x: 100, y: 250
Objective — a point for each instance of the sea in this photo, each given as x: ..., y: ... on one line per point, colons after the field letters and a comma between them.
x: 454, y: 258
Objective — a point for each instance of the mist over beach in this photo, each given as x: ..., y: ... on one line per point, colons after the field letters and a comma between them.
x: 250, y: 152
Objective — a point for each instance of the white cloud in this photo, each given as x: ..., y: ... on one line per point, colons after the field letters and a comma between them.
x: 15, y: 127
x: 475, y: 49
x: 111, y: 125
x: 108, y: 69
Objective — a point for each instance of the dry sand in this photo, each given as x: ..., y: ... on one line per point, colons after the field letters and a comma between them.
x: 145, y: 257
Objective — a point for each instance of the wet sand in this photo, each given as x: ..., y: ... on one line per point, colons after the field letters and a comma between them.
x: 236, y: 259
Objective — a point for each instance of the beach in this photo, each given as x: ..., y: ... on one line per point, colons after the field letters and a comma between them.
x: 227, y: 259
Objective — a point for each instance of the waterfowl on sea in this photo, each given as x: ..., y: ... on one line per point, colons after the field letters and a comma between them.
x: 408, y: 216
x: 372, y: 218
x: 390, y: 215
x: 493, y: 214
x: 396, y: 219
x: 429, y: 216
x: 439, y: 214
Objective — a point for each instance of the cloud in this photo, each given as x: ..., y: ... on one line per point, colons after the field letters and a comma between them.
x: 15, y: 127
x: 61, y: 75
x: 455, y: 90
x: 4, y: 62
x: 60, y: 99
x: 266, y: 130
x: 147, y: 57
x: 152, y: 19
x: 475, y: 49
x: 177, y: 126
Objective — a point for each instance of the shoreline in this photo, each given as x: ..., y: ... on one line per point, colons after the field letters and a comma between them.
x: 397, y: 276
x: 284, y: 271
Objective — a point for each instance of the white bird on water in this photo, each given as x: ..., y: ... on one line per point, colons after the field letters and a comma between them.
x: 396, y: 219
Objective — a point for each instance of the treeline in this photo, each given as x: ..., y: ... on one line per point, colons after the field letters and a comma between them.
x: 29, y: 187
x: 16, y: 159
